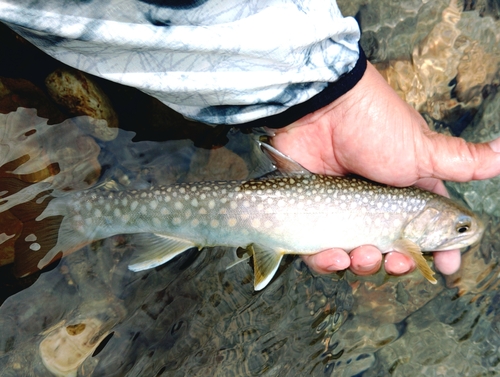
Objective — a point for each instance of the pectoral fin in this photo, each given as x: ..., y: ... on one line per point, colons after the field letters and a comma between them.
x: 156, y: 249
x: 266, y: 263
x: 283, y: 163
x: 411, y: 249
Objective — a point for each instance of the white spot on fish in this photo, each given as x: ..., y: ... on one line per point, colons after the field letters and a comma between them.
x: 268, y: 224
x: 164, y: 211
x: 107, y: 207
x: 126, y: 218
x: 134, y: 205
x: 195, y: 222
x: 88, y: 221
x: 255, y: 223
x: 97, y: 213
x: 88, y: 206
x: 144, y: 210
x: 176, y: 220
x: 231, y: 222
x: 187, y: 214
x: 211, y: 204
x: 35, y: 246
x: 194, y: 202
x: 246, y: 203
x: 223, y: 211
x: 117, y: 212
x: 269, y: 201
x: 182, y: 190
x: 260, y: 206
x: 233, y: 205
x: 214, y: 223
x: 202, y: 211
x: 156, y: 221
x: 178, y: 205
x: 124, y: 202
x: 245, y: 216
x: 29, y: 238
x: 153, y: 204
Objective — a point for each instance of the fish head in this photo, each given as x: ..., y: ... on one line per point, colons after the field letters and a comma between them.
x: 444, y: 225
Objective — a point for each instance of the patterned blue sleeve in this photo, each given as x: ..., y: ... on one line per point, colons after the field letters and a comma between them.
x: 215, y: 61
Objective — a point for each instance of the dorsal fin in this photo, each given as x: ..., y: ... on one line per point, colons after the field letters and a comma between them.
x: 283, y: 163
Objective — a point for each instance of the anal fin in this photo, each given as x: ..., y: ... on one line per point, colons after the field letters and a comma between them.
x: 409, y: 248
x: 266, y: 263
x: 156, y: 249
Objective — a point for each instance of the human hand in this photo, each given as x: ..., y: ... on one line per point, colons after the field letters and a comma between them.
x: 372, y: 132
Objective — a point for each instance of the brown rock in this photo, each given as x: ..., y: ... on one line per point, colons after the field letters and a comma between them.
x: 80, y: 95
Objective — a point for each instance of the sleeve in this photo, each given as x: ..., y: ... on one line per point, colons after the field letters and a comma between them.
x: 215, y: 61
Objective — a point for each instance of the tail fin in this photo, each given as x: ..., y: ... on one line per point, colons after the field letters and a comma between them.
x: 37, y: 237
x: 38, y: 165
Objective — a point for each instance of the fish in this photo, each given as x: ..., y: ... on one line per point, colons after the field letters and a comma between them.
x: 288, y: 211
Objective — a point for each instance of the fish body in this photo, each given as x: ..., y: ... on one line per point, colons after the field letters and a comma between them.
x: 294, y: 212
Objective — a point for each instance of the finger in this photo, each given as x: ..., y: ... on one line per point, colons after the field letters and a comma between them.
x: 328, y: 261
x: 447, y: 262
x: 432, y: 184
x: 398, y: 264
x: 365, y: 260
x: 454, y: 159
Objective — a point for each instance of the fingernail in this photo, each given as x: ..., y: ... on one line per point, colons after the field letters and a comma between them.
x: 495, y: 145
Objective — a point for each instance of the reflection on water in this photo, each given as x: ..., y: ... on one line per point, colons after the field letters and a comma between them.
x: 91, y: 316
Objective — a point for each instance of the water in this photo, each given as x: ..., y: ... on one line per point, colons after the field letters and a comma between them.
x: 93, y: 317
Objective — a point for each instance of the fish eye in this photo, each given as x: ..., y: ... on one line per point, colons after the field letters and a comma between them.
x: 463, y: 224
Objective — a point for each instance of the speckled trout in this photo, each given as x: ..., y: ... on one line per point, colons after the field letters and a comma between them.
x: 290, y: 212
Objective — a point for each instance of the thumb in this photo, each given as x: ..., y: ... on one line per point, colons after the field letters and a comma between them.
x: 454, y: 159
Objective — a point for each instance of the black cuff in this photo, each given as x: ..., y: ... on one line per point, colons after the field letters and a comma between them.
x: 333, y: 91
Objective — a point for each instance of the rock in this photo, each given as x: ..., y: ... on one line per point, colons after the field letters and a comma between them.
x: 80, y: 95
x: 16, y: 93
x: 66, y: 346
x: 448, y: 69
x: 215, y: 164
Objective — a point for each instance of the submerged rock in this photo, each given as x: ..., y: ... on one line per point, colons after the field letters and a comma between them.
x: 80, y: 95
